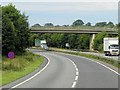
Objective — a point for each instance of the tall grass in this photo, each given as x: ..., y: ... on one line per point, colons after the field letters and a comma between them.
x: 18, y: 63
x: 20, y: 66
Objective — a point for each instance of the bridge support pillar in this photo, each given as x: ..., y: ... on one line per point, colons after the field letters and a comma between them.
x: 92, y: 37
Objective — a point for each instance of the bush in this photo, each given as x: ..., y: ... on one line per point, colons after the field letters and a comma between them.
x: 98, y: 41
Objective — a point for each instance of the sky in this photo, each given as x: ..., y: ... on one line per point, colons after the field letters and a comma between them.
x: 65, y: 13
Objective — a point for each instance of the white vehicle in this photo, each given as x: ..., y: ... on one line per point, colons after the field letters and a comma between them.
x: 43, y: 44
x: 111, y: 46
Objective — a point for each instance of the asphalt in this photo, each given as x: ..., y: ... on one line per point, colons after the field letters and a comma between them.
x: 61, y: 73
x: 93, y: 75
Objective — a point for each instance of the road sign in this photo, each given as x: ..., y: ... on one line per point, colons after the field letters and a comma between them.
x: 67, y: 45
x: 11, y: 55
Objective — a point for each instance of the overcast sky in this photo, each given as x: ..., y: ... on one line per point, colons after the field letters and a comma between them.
x: 66, y: 12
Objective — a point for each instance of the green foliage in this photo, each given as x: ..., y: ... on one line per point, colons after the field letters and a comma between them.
x: 48, y: 25
x: 88, y: 24
x: 110, y: 24
x: 76, y: 41
x: 98, y: 41
x: 36, y: 25
x: 77, y: 23
x: 119, y: 33
x: 19, y: 66
x: 15, y: 33
x: 32, y: 39
x: 113, y: 62
x: 83, y: 41
x: 101, y: 24
x: 19, y: 62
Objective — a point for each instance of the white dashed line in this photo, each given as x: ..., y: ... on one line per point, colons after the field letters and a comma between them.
x: 76, y: 78
x: 97, y: 63
x: 77, y: 73
x: 77, y: 69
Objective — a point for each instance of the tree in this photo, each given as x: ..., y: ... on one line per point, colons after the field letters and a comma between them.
x: 101, y: 24
x: 8, y: 36
x: 65, y: 25
x: 110, y: 24
x: 15, y: 32
x: 83, y: 41
x: 118, y: 26
x: 48, y: 25
x: 36, y: 25
x: 88, y: 24
x: 98, y: 41
x: 77, y: 23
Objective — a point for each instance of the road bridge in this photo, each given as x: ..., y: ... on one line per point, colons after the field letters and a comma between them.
x: 92, y: 31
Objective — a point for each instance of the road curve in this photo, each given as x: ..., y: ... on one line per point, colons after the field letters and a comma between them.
x: 67, y: 71
x: 91, y: 74
x: 60, y: 73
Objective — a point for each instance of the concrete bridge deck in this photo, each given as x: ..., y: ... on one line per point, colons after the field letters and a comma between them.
x: 69, y: 30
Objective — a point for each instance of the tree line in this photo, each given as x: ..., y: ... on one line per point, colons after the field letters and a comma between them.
x: 76, y: 41
x: 79, y: 22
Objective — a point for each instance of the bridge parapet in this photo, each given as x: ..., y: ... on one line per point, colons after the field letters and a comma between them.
x: 71, y: 30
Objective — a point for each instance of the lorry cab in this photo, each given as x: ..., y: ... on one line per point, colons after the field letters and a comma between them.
x: 43, y: 44
x: 114, y: 49
x: 111, y: 46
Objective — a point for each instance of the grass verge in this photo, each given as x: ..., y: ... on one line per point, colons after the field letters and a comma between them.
x: 19, y: 66
x: 97, y: 58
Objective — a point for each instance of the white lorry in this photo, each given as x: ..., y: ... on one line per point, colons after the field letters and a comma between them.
x: 111, y: 46
x: 43, y: 44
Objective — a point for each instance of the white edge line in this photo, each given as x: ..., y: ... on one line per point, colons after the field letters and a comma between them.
x: 74, y: 84
x: 33, y: 75
x: 108, y: 68
x: 98, y: 63
x: 104, y: 66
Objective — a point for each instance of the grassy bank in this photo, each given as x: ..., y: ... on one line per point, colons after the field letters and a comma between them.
x: 94, y: 57
x: 99, y: 58
x: 19, y: 66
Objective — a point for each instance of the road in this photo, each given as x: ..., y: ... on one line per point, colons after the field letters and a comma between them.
x: 68, y: 71
x: 102, y: 55
x: 92, y: 53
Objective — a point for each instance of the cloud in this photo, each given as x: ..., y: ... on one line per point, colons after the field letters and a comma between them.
x: 64, y: 6
x: 61, y: 1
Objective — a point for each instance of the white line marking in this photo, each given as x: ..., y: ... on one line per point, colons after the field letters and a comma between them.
x: 33, y: 75
x: 108, y: 68
x: 77, y: 69
x: 97, y: 63
x: 77, y: 73
x: 76, y: 78
x: 104, y: 66
x: 74, y: 84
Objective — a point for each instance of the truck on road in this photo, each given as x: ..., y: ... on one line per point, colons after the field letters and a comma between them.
x: 111, y: 46
x: 43, y: 44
